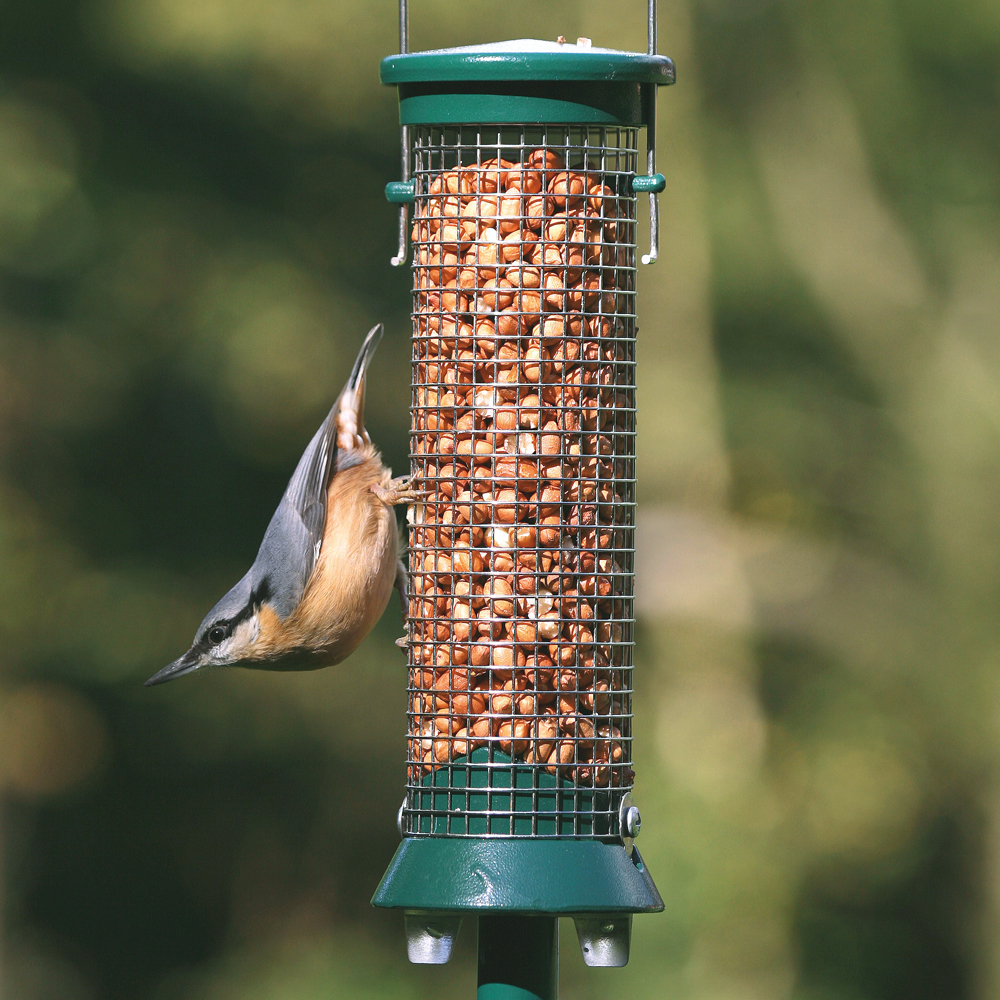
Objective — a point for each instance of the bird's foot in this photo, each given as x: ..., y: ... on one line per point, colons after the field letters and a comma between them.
x: 399, y: 491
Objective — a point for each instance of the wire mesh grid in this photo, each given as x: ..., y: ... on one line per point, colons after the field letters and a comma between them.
x: 523, y: 434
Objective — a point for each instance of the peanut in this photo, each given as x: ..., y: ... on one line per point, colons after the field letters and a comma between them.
x: 522, y: 429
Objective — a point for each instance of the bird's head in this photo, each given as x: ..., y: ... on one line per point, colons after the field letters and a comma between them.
x: 229, y: 635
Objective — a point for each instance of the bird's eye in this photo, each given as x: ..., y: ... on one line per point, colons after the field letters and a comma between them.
x: 217, y: 633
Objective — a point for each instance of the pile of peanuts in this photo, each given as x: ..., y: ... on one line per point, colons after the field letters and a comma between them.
x: 523, y: 436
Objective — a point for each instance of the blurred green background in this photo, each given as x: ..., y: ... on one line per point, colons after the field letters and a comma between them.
x: 193, y: 240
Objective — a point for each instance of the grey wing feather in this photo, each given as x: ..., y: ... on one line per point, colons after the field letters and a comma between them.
x: 306, y: 492
x: 293, y: 539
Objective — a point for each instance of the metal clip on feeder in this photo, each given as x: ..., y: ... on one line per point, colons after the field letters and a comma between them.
x: 520, y: 161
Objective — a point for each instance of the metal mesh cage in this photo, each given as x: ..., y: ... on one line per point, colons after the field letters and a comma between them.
x: 523, y: 434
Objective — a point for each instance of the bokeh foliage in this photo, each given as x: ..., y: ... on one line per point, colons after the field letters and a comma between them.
x: 192, y: 242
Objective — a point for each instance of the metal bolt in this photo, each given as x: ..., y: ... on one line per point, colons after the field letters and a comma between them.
x: 629, y: 821
x: 633, y: 821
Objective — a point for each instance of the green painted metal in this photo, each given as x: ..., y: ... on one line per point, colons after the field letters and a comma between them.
x: 504, y: 991
x: 565, y: 810
x: 525, y: 81
x: 526, y: 59
x: 518, y: 958
x: 517, y: 875
x: 643, y: 183
x: 400, y: 192
x: 554, y: 103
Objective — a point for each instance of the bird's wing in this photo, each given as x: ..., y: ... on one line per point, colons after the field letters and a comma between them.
x: 306, y: 492
x: 293, y: 539
x: 350, y: 405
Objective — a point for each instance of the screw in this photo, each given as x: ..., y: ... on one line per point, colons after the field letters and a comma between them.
x: 633, y: 822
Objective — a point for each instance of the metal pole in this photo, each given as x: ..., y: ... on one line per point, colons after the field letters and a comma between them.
x: 518, y: 958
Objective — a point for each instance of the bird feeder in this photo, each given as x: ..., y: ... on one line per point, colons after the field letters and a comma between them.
x: 520, y: 165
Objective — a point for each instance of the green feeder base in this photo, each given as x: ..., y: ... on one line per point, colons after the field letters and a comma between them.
x: 516, y: 875
x: 488, y: 793
x: 436, y: 880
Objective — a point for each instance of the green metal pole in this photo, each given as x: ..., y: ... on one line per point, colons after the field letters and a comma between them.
x: 518, y: 958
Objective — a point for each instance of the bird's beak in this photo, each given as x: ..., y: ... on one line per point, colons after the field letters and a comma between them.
x: 182, y: 665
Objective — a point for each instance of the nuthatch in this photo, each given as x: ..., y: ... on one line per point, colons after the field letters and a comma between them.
x: 329, y: 559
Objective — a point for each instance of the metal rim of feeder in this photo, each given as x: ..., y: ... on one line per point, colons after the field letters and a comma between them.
x: 483, y: 830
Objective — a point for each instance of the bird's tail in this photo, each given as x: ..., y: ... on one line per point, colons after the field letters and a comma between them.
x: 350, y: 417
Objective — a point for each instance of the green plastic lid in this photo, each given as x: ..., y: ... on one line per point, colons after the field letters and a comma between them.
x: 526, y: 59
x: 525, y: 81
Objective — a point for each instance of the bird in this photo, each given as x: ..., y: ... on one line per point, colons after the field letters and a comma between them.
x: 328, y: 562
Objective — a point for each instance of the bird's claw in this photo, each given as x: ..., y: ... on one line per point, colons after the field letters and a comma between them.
x: 399, y: 491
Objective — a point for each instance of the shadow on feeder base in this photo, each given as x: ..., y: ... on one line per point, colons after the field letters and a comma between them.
x: 518, y: 957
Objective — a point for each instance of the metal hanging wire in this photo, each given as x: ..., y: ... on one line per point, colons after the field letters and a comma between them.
x: 654, y: 209
x: 404, y: 141
x: 651, y: 182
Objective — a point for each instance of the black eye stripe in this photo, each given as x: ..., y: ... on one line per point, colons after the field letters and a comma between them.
x: 207, y: 640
